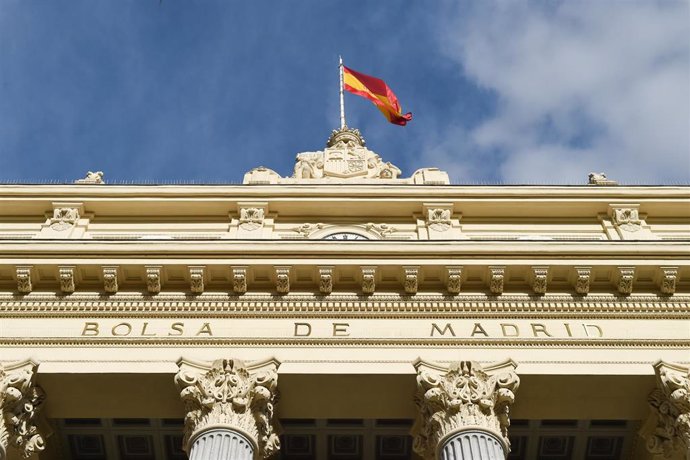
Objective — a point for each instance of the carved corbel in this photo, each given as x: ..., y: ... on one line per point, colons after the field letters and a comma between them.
x: 462, y: 396
x: 110, y: 284
x: 64, y: 218
x: 539, y: 279
x: 196, y: 279
x: 667, y: 432
x: 667, y: 279
x: 24, y: 284
x: 21, y: 401
x: 231, y: 394
x: 411, y: 281
x: 368, y: 280
x: 282, y: 279
x: 239, y: 279
x: 66, y: 276
x: 153, y: 279
x: 496, y: 276
x: 625, y: 279
x: 581, y: 279
x: 326, y: 280
x: 454, y: 279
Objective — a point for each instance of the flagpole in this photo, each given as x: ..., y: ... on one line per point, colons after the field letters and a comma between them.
x: 342, y: 98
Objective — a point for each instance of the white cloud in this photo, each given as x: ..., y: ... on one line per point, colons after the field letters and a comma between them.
x: 581, y: 86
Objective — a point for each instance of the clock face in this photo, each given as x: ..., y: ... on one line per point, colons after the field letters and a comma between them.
x: 345, y: 236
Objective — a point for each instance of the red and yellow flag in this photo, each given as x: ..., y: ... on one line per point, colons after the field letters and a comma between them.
x: 378, y: 92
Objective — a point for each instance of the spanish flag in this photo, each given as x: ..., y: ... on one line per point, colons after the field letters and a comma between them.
x: 378, y: 92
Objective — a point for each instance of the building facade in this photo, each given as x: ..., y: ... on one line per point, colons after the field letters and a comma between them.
x: 344, y: 313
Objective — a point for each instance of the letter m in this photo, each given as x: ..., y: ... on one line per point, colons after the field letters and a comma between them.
x: 447, y: 328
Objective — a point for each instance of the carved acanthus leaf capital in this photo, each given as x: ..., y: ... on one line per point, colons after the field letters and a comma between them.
x: 229, y: 393
x: 670, y: 404
x: 461, y: 396
x: 20, y: 403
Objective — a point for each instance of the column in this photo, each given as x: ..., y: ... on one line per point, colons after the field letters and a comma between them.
x: 464, y: 410
x: 229, y: 409
x: 667, y: 430
x: 20, y: 404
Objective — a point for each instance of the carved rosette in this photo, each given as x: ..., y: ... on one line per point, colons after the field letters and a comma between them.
x: 496, y: 275
x: 463, y: 396
x: 411, y: 279
x: 110, y: 280
x: 454, y: 282
x: 24, y: 280
x: 582, y: 277
x: 233, y: 395
x: 239, y: 280
x: 368, y: 280
x: 20, y: 401
x: 66, y: 275
x: 670, y: 404
x: 326, y: 280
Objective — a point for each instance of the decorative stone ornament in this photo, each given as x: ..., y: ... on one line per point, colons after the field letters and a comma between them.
x: 251, y: 218
x: 239, y: 280
x: 454, y: 279
x: 368, y: 280
x: 668, y: 430
x: 626, y: 276
x: 153, y: 279
x: 600, y: 179
x: 21, y: 401
x: 110, y: 280
x: 24, y: 279
x: 64, y: 218
x: 626, y: 218
x: 282, y: 279
x: 539, y: 279
x: 667, y: 280
x: 411, y: 281
x: 496, y: 275
x: 66, y: 275
x: 325, y: 280
x: 196, y: 279
x: 462, y: 397
x: 232, y: 397
x: 92, y: 178
x: 382, y: 230
x: 305, y: 230
x: 582, y: 278
x: 438, y: 219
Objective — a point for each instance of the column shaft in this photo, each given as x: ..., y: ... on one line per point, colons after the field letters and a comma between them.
x: 221, y: 444
x: 472, y: 445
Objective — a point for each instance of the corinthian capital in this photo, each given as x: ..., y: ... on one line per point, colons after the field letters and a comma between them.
x: 20, y: 404
x: 462, y: 396
x: 228, y: 393
x: 668, y: 433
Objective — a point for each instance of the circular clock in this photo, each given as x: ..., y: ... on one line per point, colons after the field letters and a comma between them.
x: 345, y: 236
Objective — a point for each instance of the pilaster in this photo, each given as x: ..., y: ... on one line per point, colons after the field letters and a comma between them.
x: 20, y: 403
x: 463, y: 409
x: 667, y: 431
x: 229, y: 405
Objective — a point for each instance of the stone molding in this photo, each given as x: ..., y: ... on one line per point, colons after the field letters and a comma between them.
x: 668, y: 430
x: 462, y: 396
x: 229, y: 393
x: 21, y: 401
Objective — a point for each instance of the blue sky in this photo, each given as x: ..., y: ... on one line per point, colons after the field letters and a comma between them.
x: 501, y: 92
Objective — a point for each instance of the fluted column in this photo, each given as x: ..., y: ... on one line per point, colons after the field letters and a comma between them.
x: 229, y: 409
x: 668, y: 429
x: 20, y: 403
x: 464, y: 410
